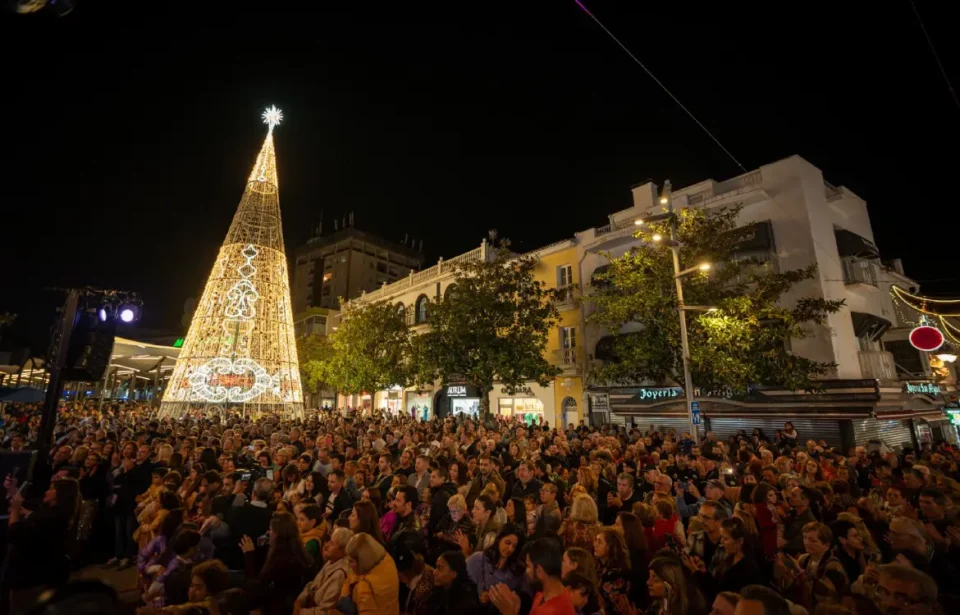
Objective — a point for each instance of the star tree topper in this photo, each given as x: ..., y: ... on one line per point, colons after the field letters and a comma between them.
x: 271, y: 117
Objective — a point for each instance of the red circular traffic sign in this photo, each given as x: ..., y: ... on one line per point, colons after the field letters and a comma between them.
x: 926, y: 338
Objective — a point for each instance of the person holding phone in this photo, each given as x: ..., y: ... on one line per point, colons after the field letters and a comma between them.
x: 36, y: 558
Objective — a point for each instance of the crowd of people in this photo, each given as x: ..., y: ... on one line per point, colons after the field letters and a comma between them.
x: 384, y: 514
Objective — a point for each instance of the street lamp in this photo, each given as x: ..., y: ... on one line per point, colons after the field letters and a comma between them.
x: 678, y: 274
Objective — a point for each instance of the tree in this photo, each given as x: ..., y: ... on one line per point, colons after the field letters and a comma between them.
x: 314, y: 353
x: 743, y: 343
x: 368, y: 351
x: 492, y: 326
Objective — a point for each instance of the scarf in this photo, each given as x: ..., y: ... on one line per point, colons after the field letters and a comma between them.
x: 316, y: 533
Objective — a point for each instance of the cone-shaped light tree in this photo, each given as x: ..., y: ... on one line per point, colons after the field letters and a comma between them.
x: 240, y: 351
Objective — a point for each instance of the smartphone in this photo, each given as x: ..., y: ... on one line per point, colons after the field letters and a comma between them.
x: 245, y: 477
x: 270, y: 474
x: 263, y: 540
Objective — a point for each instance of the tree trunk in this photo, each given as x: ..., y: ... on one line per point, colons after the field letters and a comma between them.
x: 485, y: 403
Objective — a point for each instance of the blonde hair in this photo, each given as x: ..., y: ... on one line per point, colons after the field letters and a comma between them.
x: 491, y: 490
x: 366, y: 551
x: 457, y: 502
x: 584, y: 509
x: 645, y: 513
x: 588, y: 479
x: 578, y: 489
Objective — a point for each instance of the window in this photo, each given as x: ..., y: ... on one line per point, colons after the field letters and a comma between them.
x: 907, y: 358
x: 422, y: 309
x: 400, y: 309
x: 564, y: 276
x: 568, y: 337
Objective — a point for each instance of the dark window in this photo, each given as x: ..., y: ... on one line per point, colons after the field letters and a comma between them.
x: 907, y: 358
x: 422, y: 302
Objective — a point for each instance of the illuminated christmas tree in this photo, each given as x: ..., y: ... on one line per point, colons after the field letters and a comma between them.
x: 240, y: 350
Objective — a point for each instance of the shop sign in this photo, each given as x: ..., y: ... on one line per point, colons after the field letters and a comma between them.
x: 517, y: 391
x: 599, y: 402
x: 953, y: 414
x: 457, y: 390
x: 925, y: 388
x: 658, y: 393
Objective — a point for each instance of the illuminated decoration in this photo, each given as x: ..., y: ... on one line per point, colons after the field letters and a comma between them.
x: 240, y: 352
x: 178, y: 343
x: 926, y: 338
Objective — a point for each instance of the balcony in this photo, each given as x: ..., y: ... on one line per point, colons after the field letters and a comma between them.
x: 877, y: 364
x: 858, y: 270
x: 569, y: 358
x: 567, y: 296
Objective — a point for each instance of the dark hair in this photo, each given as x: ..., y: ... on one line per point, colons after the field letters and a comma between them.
x: 410, y: 495
x: 840, y: 529
x: 441, y: 471
x: 211, y: 476
x: 577, y: 582
x: 938, y: 498
x: 457, y: 562
x: 233, y: 601
x: 492, y: 553
x: 160, y: 471
x: 312, y: 512
x: 338, y: 473
x: 760, y: 492
x: 633, y: 535
x: 369, y: 520
x: 773, y: 603
x: 169, y: 500
x: 488, y: 503
x: 214, y: 574
x: 185, y: 540
x: 617, y: 554
x: 208, y: 457
x: 545, y: 553
x: 737, y: 530
x: 319, y: 484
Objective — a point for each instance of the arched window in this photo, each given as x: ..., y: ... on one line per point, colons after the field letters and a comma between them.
x: 421, y: 307
x: 449, y: 292
x: 401, y: 310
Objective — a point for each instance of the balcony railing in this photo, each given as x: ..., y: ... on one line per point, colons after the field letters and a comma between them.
x: 567, y: 295
x: 877, y: 364
x: 859, y: 271
x: 567, y: 357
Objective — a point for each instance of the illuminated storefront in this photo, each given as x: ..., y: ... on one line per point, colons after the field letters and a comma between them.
x: 419, y: 405
x: 530, y: 403
x: 391, y: 400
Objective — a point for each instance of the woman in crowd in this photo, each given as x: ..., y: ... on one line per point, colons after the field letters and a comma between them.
x: 499, y: 563
x: 581, y: 561
x: 322, y: 593
x: 459, y: 477
x: 670, y: 593
x: 37, y: 539
x: 513, y: 506
x: 613, y: 568
x: 372, y: 587
x: 581, y: 528
x: 583, y: 594
x: 738, y: 567
x: 636, y: 543
x: 286, y: 570
x: 312, y: 529
x: 453, y: 591
x: 811, y: 474
x: 364, y: 520
x: 313, y: 489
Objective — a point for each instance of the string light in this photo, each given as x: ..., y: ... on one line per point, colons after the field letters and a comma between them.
x: 240, y: 349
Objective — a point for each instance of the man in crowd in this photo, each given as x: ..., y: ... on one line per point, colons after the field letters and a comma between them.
x: 527, y: 483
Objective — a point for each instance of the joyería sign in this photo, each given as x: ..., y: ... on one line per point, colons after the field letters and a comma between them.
x: 658, y: 393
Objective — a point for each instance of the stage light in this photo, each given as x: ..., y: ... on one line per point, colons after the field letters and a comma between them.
x: 102, y: 313
x: 126, y: 314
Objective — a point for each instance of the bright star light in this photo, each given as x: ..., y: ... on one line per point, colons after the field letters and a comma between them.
x: 272, y: 116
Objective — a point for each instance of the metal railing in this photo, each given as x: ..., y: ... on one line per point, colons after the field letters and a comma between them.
x: 859, y: 271
x: 420, y: 276
x: 877, y: 364
x: 567, y: 295
x: 567, y: 356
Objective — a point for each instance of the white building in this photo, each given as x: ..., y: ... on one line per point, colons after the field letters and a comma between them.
x: 800, y: 219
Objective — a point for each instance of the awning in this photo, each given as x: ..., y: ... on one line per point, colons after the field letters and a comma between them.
x: 869, y: 325
x: 851, y: 244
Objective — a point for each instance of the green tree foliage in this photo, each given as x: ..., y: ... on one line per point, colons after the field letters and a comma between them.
x: 368, y: 351
x: 492, y: 326
x: 741, y: 344
x: 315, y: 352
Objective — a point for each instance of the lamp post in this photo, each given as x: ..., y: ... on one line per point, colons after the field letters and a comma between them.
x: 678, y: 274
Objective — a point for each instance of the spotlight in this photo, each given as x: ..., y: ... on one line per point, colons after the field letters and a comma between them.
x: 127, y: 314
x: 102, y: 313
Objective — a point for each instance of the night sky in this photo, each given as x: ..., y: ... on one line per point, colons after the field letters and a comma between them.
x: 130, y: 127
